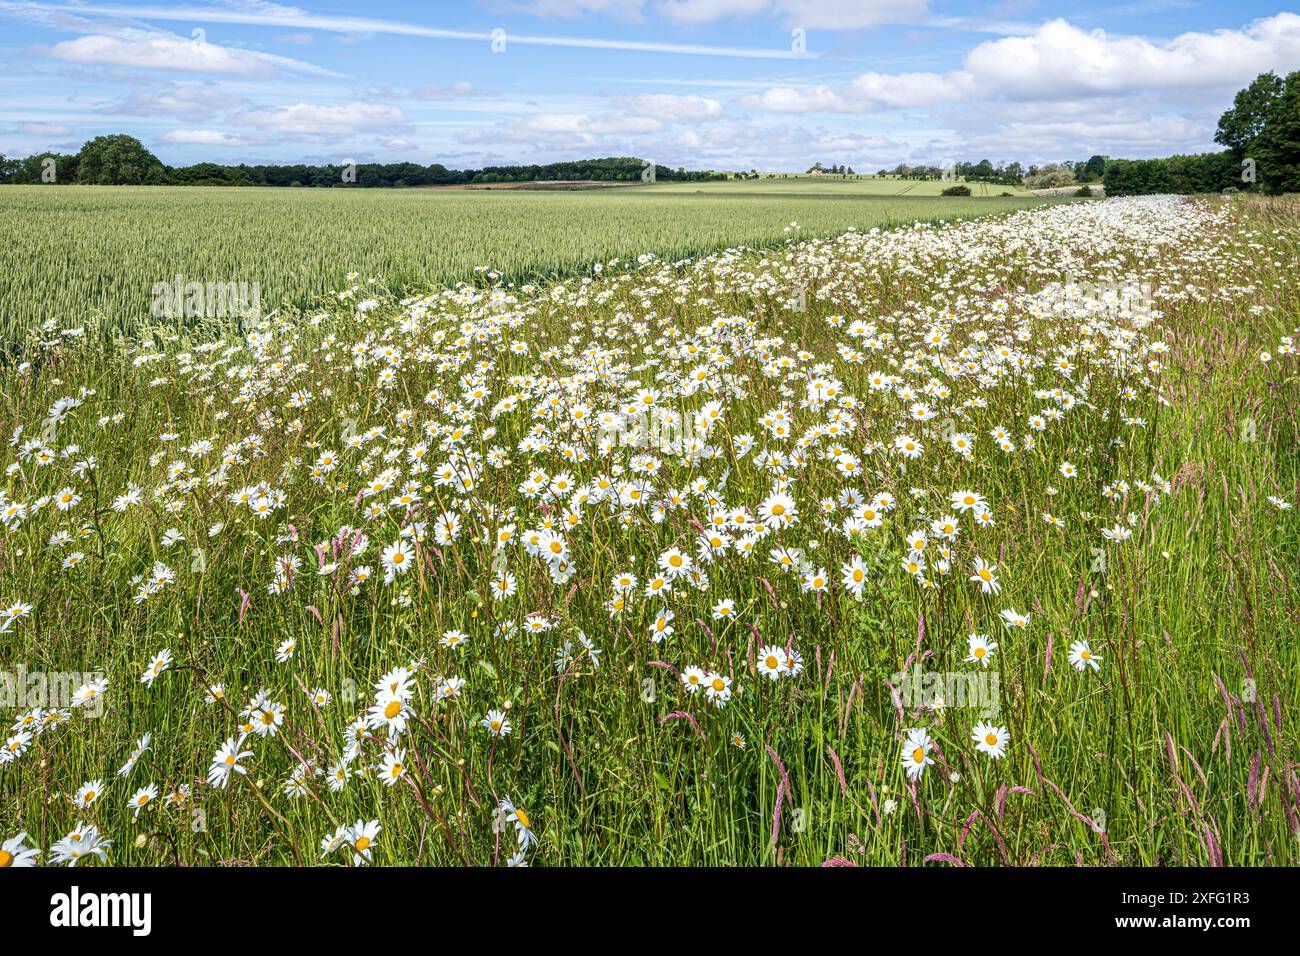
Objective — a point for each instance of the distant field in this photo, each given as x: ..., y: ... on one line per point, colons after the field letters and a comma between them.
x: 834, y: 186
x: 93, y: 253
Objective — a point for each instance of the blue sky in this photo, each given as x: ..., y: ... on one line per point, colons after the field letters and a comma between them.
x: 727, y: 84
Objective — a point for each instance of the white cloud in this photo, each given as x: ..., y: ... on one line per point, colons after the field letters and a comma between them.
x: 707, y: 11
x: 635, y: 116
x: 626, y: 9
x: 671, y: 108
x: 1079, y: 133
x: 44, y: 129
x: 1061, y: 60
x: 165, y: 51
x: 445, y: 92
x: 774, y: 147
x: 160, y: 53
x: 808, y: 14
x: 850, y: 14
x: 355, y: 28
x: 567, y: 130
x: 315, y: 118
x: 202, y: 137
x: 178, y: 99
x: 397, y: 144
x: 867, y: 93
x: 563, y: 124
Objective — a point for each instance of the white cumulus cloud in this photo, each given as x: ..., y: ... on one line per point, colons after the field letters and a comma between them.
x: 317, y: 118
x: 165, y: 51
x: 672, y: 108
x: 1061, y: 60
x: 202, y: 137
x: 44, y: 129
x: 808, y: 14
x: 867, y: 93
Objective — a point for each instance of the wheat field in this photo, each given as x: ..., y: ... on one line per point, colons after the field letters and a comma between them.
x: 90, y: 255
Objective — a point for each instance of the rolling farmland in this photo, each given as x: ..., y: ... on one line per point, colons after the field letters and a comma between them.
x: 91, y: 255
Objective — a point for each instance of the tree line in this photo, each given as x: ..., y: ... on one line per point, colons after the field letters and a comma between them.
x: 984, y: 171
x: 1261, y: 131
x: 121, y: 160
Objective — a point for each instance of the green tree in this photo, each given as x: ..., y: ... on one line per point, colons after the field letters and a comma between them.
x: 1251, y: 109
x: 1276, y: 149
x: 117, y: 160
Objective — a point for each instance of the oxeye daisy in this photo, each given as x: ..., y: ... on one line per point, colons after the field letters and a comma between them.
x: 496, y: 723
x: 717, y: 688
x: 160, y: 662
x: 990, y: 740
x: 363, y: 837
x: 1014, y: 619
x: 778, y: 511
x: 914, y: 564
x: 84, y: 842
x: 771, y: 661
x: 397, y: 558
x: 984, y: 576
x: 661, y: 627
x: 854, y: 576
x: 141, y: 799
x: 815, y: 581
x: 16, y: 853
x: 88, y: 793
x: 454, y: 640
x: 512, y: 813
x: 389, y: 713
x: 226, y: 761
x: 1082, y: 657
x: 393, y: 767
x: 693, y: 679
x: 980, y: 649
x: 916, y: 753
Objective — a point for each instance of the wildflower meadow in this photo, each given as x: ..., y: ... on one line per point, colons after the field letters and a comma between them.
x: 949, y: 543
